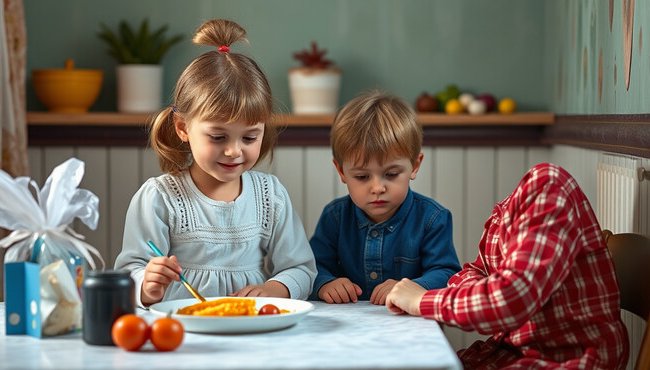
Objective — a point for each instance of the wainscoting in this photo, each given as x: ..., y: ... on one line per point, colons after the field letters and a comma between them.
x: 467, y: 180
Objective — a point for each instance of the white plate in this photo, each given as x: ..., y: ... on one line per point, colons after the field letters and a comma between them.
x: 236, y: 324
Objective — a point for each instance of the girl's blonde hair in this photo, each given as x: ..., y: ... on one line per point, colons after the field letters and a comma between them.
x: 375, y: 125
x: 218, y: 86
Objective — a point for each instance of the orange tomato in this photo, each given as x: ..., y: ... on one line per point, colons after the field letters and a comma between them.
x: 167, y: 334
x: 130, y: 332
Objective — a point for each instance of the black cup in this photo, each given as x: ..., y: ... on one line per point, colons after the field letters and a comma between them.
x: 107, y: 295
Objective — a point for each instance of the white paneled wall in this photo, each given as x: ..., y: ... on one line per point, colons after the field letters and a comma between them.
x: 467, y: 180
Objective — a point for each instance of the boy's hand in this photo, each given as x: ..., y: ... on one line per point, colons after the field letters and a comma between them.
x: 405, y: 297
x: 340, y: 290
x: 270, y: 288
x: 380, y: 292
x: 158, y: 274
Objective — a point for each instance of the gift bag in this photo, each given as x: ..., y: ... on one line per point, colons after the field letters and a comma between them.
x: 41, y: 235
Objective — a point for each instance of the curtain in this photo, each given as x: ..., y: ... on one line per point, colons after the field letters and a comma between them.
x: 13, y: 54
x: 13, y: 126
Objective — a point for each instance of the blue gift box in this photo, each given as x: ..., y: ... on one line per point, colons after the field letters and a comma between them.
x: 22, y: 298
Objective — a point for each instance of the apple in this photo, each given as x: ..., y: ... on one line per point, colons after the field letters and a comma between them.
x: 426, y: 103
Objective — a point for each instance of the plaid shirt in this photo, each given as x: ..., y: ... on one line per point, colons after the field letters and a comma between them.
x: 543, y: 284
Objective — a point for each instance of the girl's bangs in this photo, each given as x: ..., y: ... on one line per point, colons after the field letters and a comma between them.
x: 235, y: 108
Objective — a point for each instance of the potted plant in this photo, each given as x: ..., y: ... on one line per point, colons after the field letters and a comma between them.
x: 139, y: 73
x: 315, y: 85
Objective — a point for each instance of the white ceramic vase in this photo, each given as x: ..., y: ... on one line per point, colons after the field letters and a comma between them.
x: 314, y: 91
x: 139, y: 88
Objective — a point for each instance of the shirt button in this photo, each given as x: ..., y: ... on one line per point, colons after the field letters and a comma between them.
x: 373, y: 275
x: 374, y: 233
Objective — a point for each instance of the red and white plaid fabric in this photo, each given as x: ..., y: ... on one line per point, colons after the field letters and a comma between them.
x: 543, y: 284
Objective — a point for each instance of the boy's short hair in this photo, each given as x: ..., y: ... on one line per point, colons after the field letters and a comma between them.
x: 375, y: 125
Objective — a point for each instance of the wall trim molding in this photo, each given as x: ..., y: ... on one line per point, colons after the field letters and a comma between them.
x: 121, y: 135
x: 618, y: 133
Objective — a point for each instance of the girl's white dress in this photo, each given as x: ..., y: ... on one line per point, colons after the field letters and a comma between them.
x: 221, y: 246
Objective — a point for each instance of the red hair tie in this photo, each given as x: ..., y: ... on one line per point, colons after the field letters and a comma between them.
x: 224, y: 49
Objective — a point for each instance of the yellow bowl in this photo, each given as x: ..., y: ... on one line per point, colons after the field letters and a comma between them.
x: 67, y: 90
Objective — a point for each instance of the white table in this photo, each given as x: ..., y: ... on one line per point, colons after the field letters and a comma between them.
x: 349, y: 336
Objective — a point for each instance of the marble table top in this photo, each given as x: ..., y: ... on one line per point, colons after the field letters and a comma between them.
x: 348, y: 336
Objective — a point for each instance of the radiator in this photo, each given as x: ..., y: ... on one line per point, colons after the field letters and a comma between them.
x: 617, y: 191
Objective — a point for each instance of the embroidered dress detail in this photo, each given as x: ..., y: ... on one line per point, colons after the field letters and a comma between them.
x: 263, y: 199
x: 180, y: 203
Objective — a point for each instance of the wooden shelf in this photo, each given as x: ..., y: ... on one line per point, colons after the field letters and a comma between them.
x: 120, y: 129
x: 627, y: 134
x: 490, y: 119
x: 429, y: 119
x: 87, y: 119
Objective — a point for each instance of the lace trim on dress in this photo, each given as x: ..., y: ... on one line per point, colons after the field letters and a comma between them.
x: 262, y: 182
x: 180, y: 202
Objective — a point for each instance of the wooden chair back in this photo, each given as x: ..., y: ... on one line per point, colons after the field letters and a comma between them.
x: 631, y: 256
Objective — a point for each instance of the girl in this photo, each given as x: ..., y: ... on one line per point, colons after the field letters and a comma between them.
x: 231, y: 230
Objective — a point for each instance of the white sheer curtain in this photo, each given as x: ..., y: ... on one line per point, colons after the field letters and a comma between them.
x: 13, y: 126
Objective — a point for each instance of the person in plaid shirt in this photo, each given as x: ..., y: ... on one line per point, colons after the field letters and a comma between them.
x: 543, y: 284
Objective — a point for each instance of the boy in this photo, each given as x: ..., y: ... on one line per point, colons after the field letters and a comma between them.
x: 382, y: 231
x: 543, y: 284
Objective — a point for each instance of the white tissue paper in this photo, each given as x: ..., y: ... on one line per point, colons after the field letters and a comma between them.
x: 40, y: 220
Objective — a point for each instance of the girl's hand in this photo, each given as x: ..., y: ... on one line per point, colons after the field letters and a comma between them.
x: 405, y: 297
x: 380, y: 292
x: 271, y: 288
x: 340, y: 290
x: 158, y: 274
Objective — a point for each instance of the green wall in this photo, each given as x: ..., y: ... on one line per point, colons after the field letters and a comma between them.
x: 585, y: 57
x: 402, y: 46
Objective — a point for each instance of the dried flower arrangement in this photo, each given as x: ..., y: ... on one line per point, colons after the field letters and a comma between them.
x: 313, y: 58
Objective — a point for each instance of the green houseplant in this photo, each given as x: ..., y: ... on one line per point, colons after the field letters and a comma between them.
x: 315, y: 85
x: 142, y: 46
x: 138, y: 52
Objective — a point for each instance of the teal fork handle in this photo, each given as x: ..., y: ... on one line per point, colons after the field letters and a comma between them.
x: 182, y: 277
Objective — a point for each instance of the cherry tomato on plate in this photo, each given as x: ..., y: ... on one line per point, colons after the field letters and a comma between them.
x: 130, y: 332
x: 167, y: 334
x: 269, y: 309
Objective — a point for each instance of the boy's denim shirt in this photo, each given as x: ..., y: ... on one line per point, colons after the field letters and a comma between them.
x: 415, y: 243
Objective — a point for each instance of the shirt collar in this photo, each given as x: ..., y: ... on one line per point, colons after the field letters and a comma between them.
x: 391, y: 223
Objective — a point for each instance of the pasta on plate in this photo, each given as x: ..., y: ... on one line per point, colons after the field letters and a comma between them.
x: 221, y: 307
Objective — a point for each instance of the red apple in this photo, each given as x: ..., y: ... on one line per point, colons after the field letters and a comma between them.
x: 426, y: 103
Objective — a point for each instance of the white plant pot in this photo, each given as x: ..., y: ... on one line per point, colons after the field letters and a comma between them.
x: 139, y: 88
x: 314, y: 91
